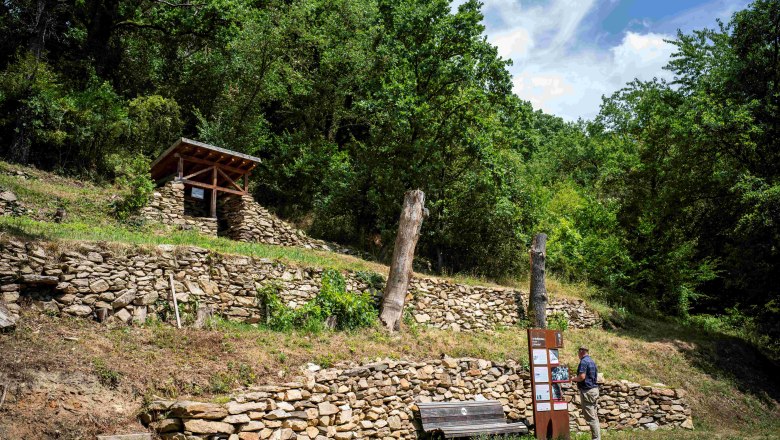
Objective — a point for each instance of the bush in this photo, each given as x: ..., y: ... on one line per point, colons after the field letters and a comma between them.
x: 558, y: 321
x: 107, y: 377
x: 350, y: 310
x: 132, y: 176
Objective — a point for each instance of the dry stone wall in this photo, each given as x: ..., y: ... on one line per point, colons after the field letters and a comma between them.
x: 244, y: 218
x: 378, y: 401
x: 131, y: 283
x: 9, y: 205
x: 167, y: 207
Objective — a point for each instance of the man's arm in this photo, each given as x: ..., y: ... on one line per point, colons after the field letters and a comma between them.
x: 578, y: 378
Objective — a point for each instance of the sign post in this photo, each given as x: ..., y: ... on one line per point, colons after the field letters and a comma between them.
x: 551, y: 411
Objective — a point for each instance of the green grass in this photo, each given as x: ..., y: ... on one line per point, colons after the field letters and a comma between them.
x: 28, y: 228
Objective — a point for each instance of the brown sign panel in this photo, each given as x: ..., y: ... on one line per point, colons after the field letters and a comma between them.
x: 551, y: 411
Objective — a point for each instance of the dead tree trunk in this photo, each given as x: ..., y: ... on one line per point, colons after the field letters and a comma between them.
x: 537, y: 303
x: 403, y: 254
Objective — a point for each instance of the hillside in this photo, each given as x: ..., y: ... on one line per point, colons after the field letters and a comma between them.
x: 72, y: 378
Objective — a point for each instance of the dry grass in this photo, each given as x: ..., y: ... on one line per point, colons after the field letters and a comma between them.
x: 158, y: 360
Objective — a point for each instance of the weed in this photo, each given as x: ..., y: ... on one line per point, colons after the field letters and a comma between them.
x: 558, y: 321
x: 107, y: 376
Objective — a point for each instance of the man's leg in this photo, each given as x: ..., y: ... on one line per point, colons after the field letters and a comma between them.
x: 589, y: 410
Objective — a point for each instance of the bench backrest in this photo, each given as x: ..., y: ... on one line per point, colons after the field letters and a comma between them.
x: 438, y: 414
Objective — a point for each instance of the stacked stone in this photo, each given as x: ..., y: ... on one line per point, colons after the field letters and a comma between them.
x: 9, y: 205
x: 167, y: 207
x: 577, y: 313
x: 626, y: 405
x: 439, y: 303
x: 378, y: 400
x: 249, y: 221
x: 131, y: 283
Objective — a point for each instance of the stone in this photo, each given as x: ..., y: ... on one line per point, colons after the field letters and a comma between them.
x: 7, y: 320
x: 237, y: 408
x: 198, y: 426
x: 124, y: 299
x: 236, y: 418
x: 40, y: 279
x: 99, y: 286
x: 78, y: 310
x: 186, y: 409
x: 123, y: 315
x: 7, y: 196
x: 141, y: 436
x: 166, y: 425
x: 327, y: 409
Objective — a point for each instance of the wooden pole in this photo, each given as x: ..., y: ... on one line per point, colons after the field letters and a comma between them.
x: 403, y: 254
x: 175, y: 303
x: 537, y: 303
x: 180, y: 168
x: 214, y: 193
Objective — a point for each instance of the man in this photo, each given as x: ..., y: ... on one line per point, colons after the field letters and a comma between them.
x: 587, y: 374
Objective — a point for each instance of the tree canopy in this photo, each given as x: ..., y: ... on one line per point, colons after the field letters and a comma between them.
x: 668, y: 200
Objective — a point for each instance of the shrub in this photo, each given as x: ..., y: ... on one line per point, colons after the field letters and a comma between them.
x: 350, y: 310
x: 108, y: 377
x: 132, y: 175
x: 558, y: 321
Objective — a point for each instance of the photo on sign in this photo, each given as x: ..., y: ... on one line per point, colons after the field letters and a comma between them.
x: 554, y: 356
x: 197, y: 193
x: 560, y: 405
x: 558, y: 339
x: 540, y: 356
x: 543, y: 406
x: 560, y: 374
x: 541, y: 374
x: 557, y: 392
x: 543, y: 392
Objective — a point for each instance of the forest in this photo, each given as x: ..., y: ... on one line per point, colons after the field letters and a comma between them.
x: 667, y: 202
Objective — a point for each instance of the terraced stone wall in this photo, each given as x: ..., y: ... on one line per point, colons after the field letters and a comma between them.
x: 131, y: 283
x: 167, y: 207
x: 378, y: 401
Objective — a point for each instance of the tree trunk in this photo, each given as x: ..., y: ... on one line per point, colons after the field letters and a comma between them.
x: 403, y: 254
x: 537, y: 303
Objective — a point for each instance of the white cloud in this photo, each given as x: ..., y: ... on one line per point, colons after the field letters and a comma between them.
x: 556, y: 68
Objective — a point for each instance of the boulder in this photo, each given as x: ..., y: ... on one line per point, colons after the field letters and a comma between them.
x: 7, y: 320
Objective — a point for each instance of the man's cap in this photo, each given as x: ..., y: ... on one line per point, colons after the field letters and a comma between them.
x: 583, y: 348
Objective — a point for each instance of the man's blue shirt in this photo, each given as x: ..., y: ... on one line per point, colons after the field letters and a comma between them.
x: 588, y: 367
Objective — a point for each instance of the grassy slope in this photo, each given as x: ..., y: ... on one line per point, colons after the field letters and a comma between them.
x: 733, y: 392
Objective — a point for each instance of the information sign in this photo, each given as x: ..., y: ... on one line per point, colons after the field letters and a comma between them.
x: 551, y: 411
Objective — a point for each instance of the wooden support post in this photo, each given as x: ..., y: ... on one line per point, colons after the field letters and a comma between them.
x: 537, y: 303
x: 246, y: 182
x: 175, y: 302
x: 214, y: 193
x: 403, y: 254
x: 180, y: 168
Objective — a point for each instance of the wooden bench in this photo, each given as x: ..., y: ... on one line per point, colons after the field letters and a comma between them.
x: 467, y: 419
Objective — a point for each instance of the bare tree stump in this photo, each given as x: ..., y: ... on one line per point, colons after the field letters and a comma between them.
x: 537, y: 303
x: 403, y: 255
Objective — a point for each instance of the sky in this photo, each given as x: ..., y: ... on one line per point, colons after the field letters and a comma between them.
x: 567, y: 54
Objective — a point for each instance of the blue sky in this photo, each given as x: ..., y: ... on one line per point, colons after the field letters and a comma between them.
x: 568, y: 53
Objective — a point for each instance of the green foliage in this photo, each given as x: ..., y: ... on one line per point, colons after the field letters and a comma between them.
x: 558, y: 321
x: 237, y: 375
x: 108, y: 377
x: 132, y: 175
x: 350, y: 310
x: 667, y: 201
